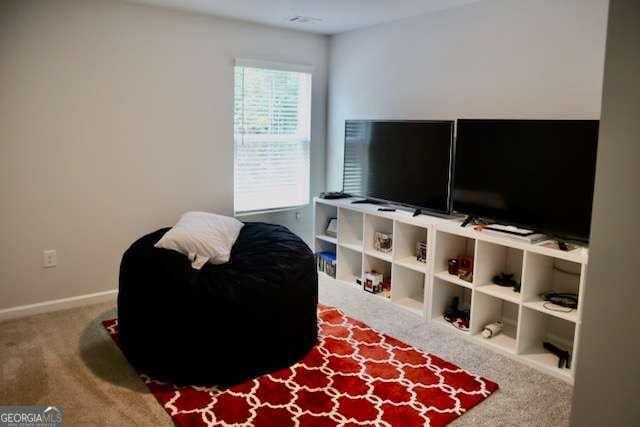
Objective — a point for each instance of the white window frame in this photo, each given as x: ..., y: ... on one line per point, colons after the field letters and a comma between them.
x: 280, y: 66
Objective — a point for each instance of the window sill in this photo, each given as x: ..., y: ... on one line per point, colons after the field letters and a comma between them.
x: 268, y: 211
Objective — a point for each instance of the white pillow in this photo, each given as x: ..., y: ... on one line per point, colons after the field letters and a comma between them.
x: 203, y: 237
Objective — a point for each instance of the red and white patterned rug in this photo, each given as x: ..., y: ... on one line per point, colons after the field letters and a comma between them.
x: 354, y: 376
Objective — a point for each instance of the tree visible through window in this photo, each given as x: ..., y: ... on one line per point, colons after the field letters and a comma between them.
x: 272, y: 128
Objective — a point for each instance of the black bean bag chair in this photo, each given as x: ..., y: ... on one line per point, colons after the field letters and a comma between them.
x: 225, y: 323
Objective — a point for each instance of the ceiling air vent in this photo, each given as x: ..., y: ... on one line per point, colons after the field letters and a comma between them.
x: 304, y: 19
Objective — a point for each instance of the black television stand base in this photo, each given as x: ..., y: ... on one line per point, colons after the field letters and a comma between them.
x: 369, y: 202
x: 417, y: 212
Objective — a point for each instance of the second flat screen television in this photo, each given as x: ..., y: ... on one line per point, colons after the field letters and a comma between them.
x: 405, y: 162
x: 537, y: 174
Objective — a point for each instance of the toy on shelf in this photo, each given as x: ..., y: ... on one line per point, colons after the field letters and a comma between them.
x: 465, y: 268
x: 386, y: 288
x: 492, y: 329
x: 564, y: 357
x: 452, y: 266
x: 457, y: 317
x: 506, y: 280
x: 372, y: 282
x: 382, y: 242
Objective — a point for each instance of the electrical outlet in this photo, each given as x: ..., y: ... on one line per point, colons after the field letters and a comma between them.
x: 49, y: 258
x: 298, y: 216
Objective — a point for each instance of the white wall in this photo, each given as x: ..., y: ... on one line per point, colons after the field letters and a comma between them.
x: 607, y: 382
x: 114, y: 119
x: 491, y: 59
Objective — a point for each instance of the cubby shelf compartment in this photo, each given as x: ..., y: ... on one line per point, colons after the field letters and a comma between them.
x: 349, y: 267
x: 494, y: 259
x: 323, y: 213
x: 543, y: 273
x: 405, y: 239
x: 323, y: 242
x: 407, y: 289
x: 447, y: 246
x: 350, y: 228
x: 541, y: 327
x: 373, y: 223
x: 442, y: 294
x: 488, y: 309
x: 379, y: 266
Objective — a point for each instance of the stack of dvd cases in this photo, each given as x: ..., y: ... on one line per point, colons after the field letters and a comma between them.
x: 326, y: 262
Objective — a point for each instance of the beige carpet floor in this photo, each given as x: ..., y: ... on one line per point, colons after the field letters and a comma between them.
x: 66, y: 358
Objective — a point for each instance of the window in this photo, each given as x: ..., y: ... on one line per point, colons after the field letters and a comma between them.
x: 272, y: 131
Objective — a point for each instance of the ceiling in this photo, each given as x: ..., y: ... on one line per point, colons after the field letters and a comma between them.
x: 334, y: 16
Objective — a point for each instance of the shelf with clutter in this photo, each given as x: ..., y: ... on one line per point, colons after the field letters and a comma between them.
x: 376, y: 277
x: 499, y: 271
x: 495, y: 322
x: 378, y: 237
x: 526, y: 294
x: 552, y: 285
x: 451, y: 304
x: 547, y: 342
x: 454, y: 258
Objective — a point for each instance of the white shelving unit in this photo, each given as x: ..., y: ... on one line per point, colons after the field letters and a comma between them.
x: 426, y: 289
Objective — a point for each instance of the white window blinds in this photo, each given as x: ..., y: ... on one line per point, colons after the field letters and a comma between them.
x: 272, y: 129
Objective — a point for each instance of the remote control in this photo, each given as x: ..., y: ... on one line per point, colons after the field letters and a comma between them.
x: 386, y: 210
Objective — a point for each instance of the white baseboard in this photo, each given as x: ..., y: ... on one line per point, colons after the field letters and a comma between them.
x: 58, y: 304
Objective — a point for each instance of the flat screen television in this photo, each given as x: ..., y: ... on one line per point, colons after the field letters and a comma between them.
x: 535, y: 174
x: 404, y: 162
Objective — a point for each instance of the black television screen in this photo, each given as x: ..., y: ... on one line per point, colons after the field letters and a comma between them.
x: 536, y: 174
x: 405, y: 162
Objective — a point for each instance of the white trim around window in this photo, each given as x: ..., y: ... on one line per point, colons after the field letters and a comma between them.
x: 272, y: 136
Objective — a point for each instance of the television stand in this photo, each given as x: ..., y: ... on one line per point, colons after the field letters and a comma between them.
x: 369, y: 202
x: 422, y: 286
